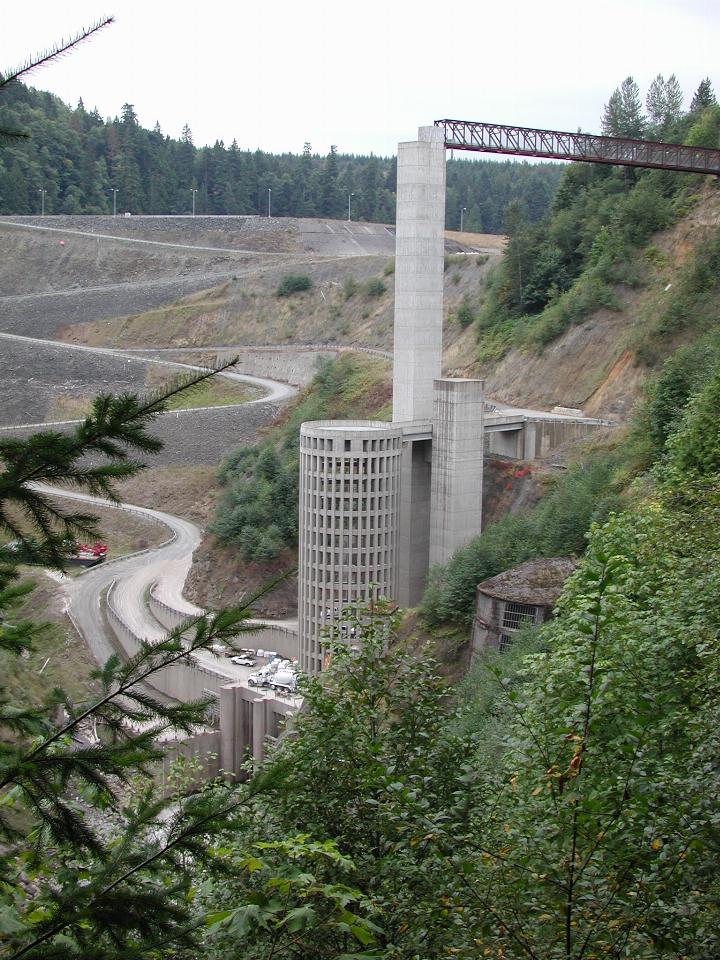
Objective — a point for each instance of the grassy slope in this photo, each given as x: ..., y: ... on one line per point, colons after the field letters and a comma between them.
x: 338, y: 309
x: 600, y: 365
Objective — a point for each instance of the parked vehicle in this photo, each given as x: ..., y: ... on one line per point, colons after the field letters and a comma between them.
x: 79, y: 554
x: 88, y: 554
x: 261, y: 678
x: 243, y: 661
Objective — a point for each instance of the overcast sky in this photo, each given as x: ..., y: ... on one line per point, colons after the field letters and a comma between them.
x: 361, y: 75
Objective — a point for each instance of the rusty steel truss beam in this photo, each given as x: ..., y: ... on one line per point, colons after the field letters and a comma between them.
x: 553, y: 144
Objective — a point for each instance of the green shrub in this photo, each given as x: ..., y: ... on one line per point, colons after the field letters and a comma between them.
x: 389, y: 268
x: 374, y: 287
x: 350, y: 287
x: 258, y: 511
x: 465, y: 313
x: 293, y: 283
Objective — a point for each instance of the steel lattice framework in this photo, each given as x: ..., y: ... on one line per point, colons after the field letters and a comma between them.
x: 556, y: 145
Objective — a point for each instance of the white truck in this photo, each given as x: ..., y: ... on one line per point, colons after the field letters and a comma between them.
x: 284, y: 681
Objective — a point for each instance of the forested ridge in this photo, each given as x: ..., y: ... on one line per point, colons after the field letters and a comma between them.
x: 78, y: 159
x: 560, y: 270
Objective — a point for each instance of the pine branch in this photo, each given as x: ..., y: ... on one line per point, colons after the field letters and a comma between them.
x: 55, y: 52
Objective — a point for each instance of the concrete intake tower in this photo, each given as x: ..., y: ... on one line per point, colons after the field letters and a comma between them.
x: 380, y: 503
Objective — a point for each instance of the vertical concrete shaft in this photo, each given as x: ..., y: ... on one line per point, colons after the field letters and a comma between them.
x: 457, y: 465
x: 419, y: 267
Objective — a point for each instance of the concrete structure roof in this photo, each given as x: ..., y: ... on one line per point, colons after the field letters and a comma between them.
x: 537, y: 582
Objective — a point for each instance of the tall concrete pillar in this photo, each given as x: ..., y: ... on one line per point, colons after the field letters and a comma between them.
x: 419, y: 268
x: 457, y: 466
x: 414, y: 540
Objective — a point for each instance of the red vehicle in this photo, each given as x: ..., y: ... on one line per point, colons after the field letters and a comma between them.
x: 88, y: 555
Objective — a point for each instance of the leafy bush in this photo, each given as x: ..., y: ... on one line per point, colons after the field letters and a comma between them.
x: 293, y: 283
x: 682, y: 375
x: 389, y: 268
x: 258, y: 511
x: 374, y: 287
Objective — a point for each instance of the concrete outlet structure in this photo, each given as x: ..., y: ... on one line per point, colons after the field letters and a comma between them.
x: 380, y: 502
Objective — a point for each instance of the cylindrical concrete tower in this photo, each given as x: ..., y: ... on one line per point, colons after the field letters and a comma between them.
x: 349, y: 518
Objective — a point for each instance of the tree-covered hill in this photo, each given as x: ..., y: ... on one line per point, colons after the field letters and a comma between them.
x: 557, y: 272
x: 78, y: 159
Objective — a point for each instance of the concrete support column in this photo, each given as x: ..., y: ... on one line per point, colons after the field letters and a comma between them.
x: 419, y: 268
x: 457, y: 466
x: 414, y: 541
x: 258, y: 727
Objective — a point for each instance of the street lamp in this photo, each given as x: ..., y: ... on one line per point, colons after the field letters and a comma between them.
x: 462, y: 217
x: 193, y: 191
x: 269, y: 200
x: 42, y: 202
x: 114, y: 193
x: 350, y: 196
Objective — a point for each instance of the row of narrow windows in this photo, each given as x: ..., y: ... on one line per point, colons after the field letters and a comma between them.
x: 338, y: 570
x: 347, y: 540
x: 382, y: 502
x: 342, y: 444
x: 359, y: 466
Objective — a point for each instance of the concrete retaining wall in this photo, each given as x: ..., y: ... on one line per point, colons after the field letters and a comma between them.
x: 181, y: 681
x: 535, y: 439
x: 268, y: 636
x: 247, y: 718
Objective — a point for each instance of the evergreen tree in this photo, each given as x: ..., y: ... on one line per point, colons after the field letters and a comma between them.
x: 703, y: 97
x: 623, y: 112
x: 86, y: 892
x: 330, y: 201
x: 663, y: 103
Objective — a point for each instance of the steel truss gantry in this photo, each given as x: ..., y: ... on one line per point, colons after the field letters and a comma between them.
x: 556, y: 145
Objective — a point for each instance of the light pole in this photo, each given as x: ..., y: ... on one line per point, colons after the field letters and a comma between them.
x: 269, y: 200
x: 42, y: 203
x: 193, y: 191
x: 462, y: 217
x: 350, y: 196
x: 114, y: 193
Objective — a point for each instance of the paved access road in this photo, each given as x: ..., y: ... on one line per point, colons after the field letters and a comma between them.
x: 166, y: 565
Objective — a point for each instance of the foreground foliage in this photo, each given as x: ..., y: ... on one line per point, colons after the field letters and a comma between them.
x: 91, y: 856
x: 568, y: 810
